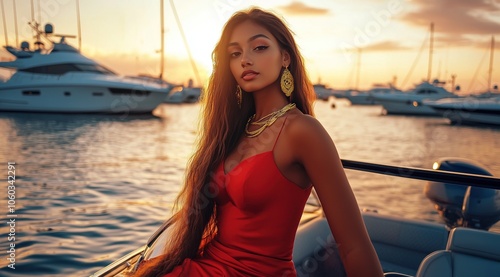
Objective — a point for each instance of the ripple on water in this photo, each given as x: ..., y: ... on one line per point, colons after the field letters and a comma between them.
x: 92, y: 188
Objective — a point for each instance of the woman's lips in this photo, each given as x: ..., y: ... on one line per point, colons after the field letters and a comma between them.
x: 249, y: 75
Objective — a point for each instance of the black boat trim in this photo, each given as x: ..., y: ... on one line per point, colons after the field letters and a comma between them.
x: 425, y: 174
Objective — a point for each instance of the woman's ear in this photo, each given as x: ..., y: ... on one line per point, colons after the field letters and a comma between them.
x: 285, y: 58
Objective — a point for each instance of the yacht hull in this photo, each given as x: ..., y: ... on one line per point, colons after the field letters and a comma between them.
x: 405, y: 107
x: 79, y: 99
x: 466, y: 117
x: 469, y: 111
x: 361, y: 99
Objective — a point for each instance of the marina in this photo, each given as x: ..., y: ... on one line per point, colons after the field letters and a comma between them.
x: 92, y: 188
x: 95, y: 158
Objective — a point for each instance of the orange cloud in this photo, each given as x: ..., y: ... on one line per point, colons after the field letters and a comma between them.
x: 456, y: 17
x: 385, y: 46
x: 298, y: 8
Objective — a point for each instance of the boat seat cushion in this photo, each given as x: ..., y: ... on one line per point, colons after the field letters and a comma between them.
x: 402, y: 244
x: 315, y: 252
x: 469, y: 252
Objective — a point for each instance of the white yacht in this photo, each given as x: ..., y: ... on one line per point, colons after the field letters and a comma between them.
x: 182, y: 94
x: 469, y: 110
x: 364, y: 97
x: 411, y: 102
x: 62, y: 80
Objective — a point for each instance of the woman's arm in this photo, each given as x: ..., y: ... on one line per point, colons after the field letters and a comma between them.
x: 315, y: 150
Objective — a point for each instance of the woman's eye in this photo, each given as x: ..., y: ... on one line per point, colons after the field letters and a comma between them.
x: 234, y: 54
x: 262, y: 47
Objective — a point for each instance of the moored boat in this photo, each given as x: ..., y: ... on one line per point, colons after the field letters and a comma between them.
x: 469, y: 110
x: 365, y: 97
x: 62, y: 80
x: 182, y: 94
x: 412, y: 102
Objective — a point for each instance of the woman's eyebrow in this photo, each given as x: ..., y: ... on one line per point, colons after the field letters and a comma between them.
x: 252, y: 38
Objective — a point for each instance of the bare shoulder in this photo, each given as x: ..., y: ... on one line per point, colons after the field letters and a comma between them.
x: 308, y: 140
x: 303, y: 128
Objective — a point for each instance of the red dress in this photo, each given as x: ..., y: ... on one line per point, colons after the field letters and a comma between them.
x: 258, y: 212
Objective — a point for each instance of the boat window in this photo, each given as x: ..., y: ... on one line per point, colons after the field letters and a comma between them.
x: 126, y: 91
x: 94, y: 68
x: 426, y: 91
x: 31, y: 92
x: 56, y: 69
x: 60, y: 69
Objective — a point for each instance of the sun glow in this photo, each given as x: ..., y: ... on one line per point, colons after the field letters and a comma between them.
x: 126, y: 36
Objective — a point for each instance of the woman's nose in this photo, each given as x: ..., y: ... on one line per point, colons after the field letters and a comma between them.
x: 245, y: 60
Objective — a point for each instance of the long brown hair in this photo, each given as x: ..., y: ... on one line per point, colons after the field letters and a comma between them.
x: 222, y: 124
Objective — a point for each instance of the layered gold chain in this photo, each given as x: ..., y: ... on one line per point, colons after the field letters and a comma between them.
x: 266, y: 120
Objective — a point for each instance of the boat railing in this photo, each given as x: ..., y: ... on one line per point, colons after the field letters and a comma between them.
x: 458, y: 178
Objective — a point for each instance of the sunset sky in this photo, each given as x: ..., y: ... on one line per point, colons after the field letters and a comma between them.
x: 392, y: 35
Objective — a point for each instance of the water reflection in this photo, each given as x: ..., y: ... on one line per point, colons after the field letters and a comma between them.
x: 91, y: 188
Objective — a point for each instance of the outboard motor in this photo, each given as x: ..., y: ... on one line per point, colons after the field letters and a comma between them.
x: 461, y: 205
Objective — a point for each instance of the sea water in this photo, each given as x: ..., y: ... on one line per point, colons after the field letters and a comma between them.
x: 91, y: 188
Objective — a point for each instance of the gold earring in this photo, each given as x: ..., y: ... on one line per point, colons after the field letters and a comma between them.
x: 238, y: 95
x: 287, y: 82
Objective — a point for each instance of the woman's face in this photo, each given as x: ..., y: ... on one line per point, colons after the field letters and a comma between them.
x: 255, y: 57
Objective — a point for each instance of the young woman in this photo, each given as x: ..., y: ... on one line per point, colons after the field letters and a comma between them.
x: 259, y: 155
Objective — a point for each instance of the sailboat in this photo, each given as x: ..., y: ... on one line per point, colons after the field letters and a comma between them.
x: 364, y: 97
x: 472, y: 110
x: 412, y: 102
x: 180, y: 93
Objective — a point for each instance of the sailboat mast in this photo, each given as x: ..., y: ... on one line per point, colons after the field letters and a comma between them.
x: 490, y: 71
x: 162, y: 50
x: 35, y: 24
x: 429, y: 70
x: 32, y: 11
x: 4, y: 25
x: 15, y: 23
x: 39, y: 13
x: 358, y: 69
x: 193, y: 64
x: 79, y: 25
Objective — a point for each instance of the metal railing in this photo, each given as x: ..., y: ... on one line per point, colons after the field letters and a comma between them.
x: 425, y: 174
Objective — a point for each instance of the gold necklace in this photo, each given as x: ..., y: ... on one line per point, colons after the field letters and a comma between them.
x: 272, y: 117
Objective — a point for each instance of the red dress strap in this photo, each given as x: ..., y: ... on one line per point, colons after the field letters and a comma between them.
x: 279, y: 133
